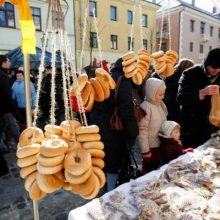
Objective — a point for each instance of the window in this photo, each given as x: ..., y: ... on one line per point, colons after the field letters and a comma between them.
x: 165, y: 25
x: 92, y: 8
x: 130, y: 17
x: 219, y: 33
x: 93, y: 40
x: 192, y: 22
x: 36, y: 13
x: 144, y: 20
x: 200, y: 48
x: 211, y: 31
x: 114, y: 42
x: 113, y: 13
x: 7, y: 16
x: 191, y: 46
x: 145, y: 44
x: 130, y: 46
x: 202, y: 27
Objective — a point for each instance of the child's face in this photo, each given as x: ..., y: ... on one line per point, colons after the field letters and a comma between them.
x: 160, y: 96
x: 175, y: 134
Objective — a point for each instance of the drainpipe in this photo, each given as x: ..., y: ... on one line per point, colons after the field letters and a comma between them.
x: 181, y: 32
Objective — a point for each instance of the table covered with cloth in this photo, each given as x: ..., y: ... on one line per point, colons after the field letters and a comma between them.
x: 186, y: 188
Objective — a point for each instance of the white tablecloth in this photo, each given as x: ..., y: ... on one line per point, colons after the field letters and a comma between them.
x: 81, y: 212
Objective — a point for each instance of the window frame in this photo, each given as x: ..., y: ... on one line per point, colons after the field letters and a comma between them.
x: 36, y: 16
x: 6, y: 11
x: 201, y: 48
x: 191, y: 45
x: 129, y: 43
x: 95, y: 6
x: 145, y: 44
x: 128, y: 18
x: 202, y: 27
x: 113, y: 7
x: 211, y: 31
x: 114, y: 41
x: 144, y: 22
x: 192, y: 25
x: 93, y: 38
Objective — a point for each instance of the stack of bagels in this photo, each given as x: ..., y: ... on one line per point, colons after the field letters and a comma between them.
x: 28, y: 148
x: 68, y: 156
x: 164, y: 62
x: 93, y: 89
x: 136, y: 70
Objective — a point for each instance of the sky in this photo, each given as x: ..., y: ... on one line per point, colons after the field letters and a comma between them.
x: 204, y: 4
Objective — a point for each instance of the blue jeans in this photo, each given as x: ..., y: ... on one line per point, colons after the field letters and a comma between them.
x: 7, y: 120
x: 111, y: 181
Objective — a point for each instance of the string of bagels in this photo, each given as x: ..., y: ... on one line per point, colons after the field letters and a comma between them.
x: 70, y: 156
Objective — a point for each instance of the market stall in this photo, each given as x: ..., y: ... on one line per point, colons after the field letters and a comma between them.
x: 186, y: 188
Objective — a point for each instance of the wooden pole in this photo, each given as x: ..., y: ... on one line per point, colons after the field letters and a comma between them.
x: 28, y: 111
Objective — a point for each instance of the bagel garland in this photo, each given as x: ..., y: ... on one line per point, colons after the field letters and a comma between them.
x: 136, y: 70
x: 93, y: 89
x: 164, y: 62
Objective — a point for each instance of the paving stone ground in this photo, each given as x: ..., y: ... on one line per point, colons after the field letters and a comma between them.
x: 15, y: 203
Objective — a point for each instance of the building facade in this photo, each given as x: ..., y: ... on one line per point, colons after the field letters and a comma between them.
x: 104, y: 29
x: 10, y: 34
x: 193, y: 31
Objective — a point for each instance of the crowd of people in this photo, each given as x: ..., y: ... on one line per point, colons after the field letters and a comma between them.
x: 176, y: 112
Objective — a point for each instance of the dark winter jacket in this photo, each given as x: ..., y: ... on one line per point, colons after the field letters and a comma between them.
x: 194, y: 113
x: 116, y: 142
x: 7, y: 104
x: 170, y: 149
x: 170, y: 96
x: 45, y: 96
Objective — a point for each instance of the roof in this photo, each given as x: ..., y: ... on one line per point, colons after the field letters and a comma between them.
x: 176, y: 3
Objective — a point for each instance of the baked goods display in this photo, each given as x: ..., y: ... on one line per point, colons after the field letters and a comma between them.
x: 93, y: 89
x: 164, y: 62
x: 68, y: 156
x: 136, y: 69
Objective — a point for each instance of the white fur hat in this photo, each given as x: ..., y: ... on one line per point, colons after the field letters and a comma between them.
x: 167, y: 128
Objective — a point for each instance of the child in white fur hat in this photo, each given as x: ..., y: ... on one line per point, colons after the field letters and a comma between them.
x: 171, y: 146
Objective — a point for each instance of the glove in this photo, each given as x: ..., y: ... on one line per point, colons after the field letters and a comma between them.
x: 188, y: 150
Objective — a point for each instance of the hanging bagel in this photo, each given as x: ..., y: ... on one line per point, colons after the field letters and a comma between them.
x: 88, y: 137
x: 101, y: 73
x: 87, y: 129
x: 99, y: 93
x: 27, y: 161
x: 77, y: 161
x: 30, y: 136
x: 29, y: 180
x: 86, y: 92
x: 137, y: 79
x: 100, y: 174
x: 93, y: 145
x: 35, y: 192
x: 53, y: 147
x: 81, y: 83
x: 50, y: 161
x: 28, y: 150
x: 88, y: 106
x: 25, y: 171
x: 98, y: 162
x: 55, y: 129
x: 105, y: 87
x: 128, y: 56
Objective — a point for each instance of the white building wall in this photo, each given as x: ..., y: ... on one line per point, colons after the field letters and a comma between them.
x: 10, y: 38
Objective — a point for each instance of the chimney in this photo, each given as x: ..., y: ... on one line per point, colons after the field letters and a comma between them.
x: 193, y: 2
x: 214, y: 10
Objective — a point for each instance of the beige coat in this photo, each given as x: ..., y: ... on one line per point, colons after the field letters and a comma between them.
x: 156, y: 114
